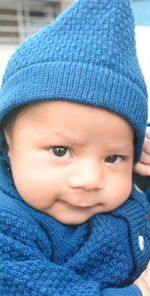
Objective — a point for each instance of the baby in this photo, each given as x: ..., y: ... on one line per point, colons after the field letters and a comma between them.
x: 73, y: 109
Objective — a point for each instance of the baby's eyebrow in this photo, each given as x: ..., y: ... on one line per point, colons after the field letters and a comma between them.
x: 125, y: 147
x: 74, y: 139
x: 65, y: 137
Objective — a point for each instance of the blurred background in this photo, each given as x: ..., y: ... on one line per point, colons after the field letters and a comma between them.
x: 21, y: 18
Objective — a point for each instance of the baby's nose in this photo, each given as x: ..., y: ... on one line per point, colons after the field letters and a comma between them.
x: 89, y: 175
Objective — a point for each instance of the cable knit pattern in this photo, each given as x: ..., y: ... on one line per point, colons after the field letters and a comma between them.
x: 86, y: 55
x: 40, y: 256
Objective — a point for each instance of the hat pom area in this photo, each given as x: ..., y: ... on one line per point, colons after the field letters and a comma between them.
x: 87, y: 55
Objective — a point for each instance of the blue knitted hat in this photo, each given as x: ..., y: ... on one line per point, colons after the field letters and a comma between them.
x: 87, y: 55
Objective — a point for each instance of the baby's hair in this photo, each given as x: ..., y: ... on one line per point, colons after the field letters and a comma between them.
x: 8, y: 121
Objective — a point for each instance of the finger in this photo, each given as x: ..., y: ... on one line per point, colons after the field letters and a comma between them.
x: 146, y: 147
x: 148, y: 269
x: 142, y: 169
x: 145, y: 158
x: 148, y: 132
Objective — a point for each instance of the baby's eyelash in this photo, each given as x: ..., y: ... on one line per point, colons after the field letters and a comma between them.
x: 114, y: 158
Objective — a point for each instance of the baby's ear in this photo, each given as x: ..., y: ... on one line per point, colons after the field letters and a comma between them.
x: 7, y: 139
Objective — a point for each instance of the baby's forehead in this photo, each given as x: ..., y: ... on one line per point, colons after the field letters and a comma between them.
x: 64, y: 108
x: 69, y: 118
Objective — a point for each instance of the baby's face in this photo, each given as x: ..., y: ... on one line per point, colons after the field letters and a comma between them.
x: 71, y: 161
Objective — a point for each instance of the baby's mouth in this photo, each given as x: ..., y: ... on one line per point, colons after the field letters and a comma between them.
x: 81, y: 201
x: 85, y: 207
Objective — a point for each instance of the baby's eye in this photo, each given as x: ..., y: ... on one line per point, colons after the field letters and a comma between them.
x: 114, y: 159
x: 60, y: 151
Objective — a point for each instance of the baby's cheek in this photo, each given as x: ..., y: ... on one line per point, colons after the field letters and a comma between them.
x: 119, y: 191
x: 37, y: 190
x: 25, y: 183
x: 124, y: 189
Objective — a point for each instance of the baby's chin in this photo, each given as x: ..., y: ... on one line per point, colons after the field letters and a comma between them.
x: 76, y: 218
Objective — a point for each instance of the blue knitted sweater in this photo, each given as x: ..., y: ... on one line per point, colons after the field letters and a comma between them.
x: 40, y: 256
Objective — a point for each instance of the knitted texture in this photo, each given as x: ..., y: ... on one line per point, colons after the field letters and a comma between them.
x: 40, y: 256
x: 148, y: 194
x: 87, y: 55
